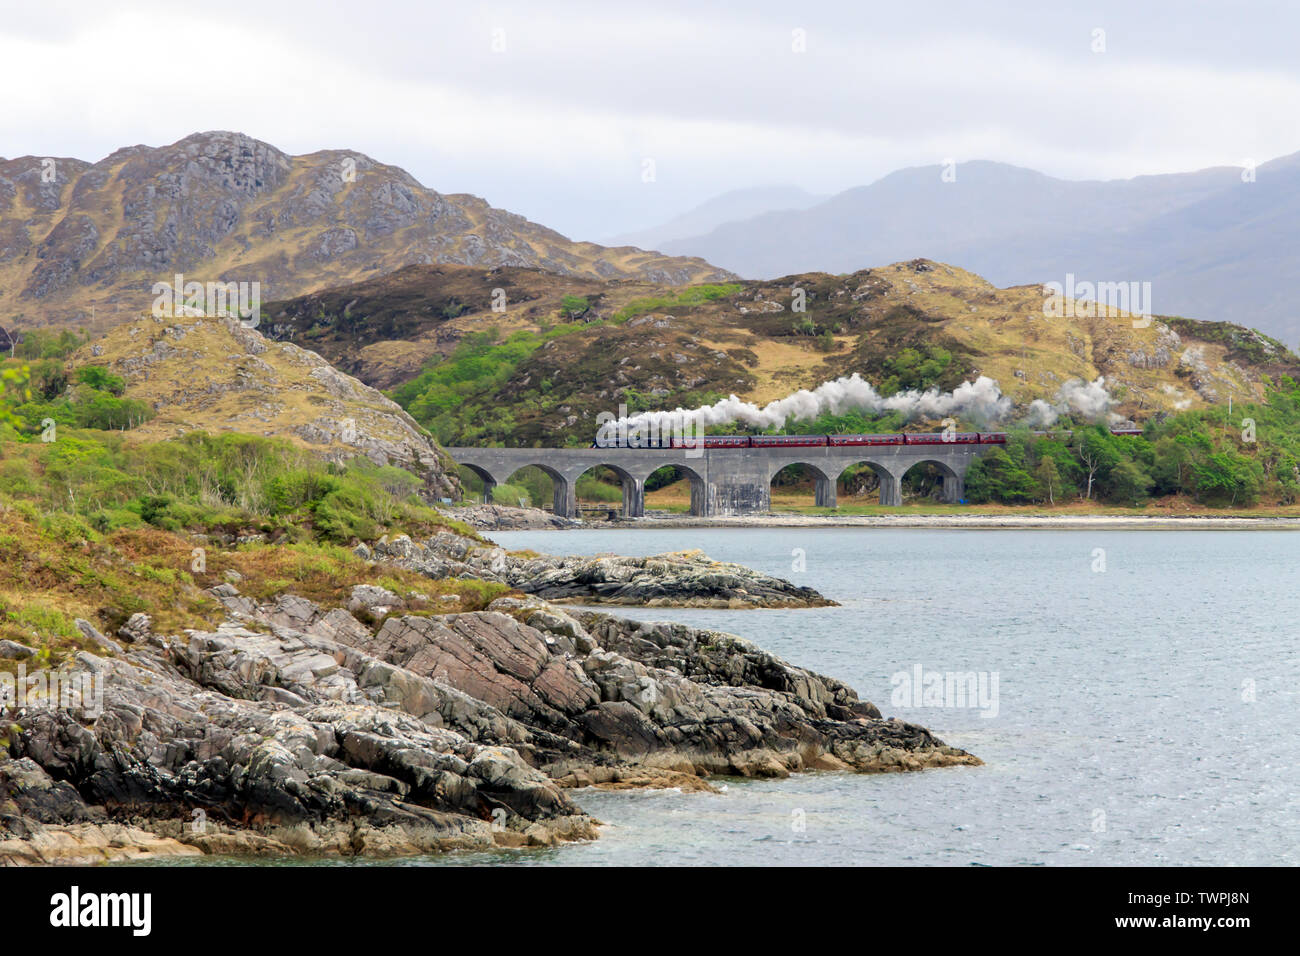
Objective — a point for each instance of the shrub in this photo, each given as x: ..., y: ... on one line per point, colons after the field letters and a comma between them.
x: 106, y: 411
x: 512, y: 495
x: 98, y: 377
x: 575, y: 305
x: 998, y: 476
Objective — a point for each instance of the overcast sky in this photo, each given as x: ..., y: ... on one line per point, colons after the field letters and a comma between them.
x: 559, y: 124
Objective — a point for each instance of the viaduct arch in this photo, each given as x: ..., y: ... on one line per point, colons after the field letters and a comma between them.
x: 724, y: 481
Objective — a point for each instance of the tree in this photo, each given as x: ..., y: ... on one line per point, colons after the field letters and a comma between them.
x: 1099, y: 454
x: 96, y: 376
x: 1172, y: 470
x: 999, y: 477
x: 15, y: 390
x: 1129, y: 482
x: 1227, y: 477
x: 913, y: 368
x: 1048, y: 477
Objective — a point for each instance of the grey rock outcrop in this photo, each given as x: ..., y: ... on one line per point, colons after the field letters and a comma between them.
x: 677, y: 579
x: 298, y: 728
x: 505, y: 518
x: 13, y: 651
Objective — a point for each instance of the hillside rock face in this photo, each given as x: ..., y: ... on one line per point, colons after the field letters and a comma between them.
x: 222, y: 205
x: 215, y: 375
x: 296, y: 728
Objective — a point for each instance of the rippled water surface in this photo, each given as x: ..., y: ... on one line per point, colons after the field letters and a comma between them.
x: 1125, y: 731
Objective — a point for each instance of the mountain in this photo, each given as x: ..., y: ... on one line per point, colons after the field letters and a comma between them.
x: 565, y: 349
x: 83, y: 243
x: 730, y: 206
x: 1211, y: 245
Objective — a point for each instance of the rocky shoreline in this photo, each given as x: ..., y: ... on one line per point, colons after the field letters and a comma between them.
x: 676, y: 579
x: 507, y: 518
x: 294, y: 728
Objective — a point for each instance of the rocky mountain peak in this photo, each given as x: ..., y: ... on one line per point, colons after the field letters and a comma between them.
x: 84, y: 243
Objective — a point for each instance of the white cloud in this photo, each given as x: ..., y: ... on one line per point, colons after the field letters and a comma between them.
x: 556, y: 127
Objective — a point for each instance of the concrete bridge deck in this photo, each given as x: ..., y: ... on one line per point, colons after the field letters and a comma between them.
x: 724, y: 481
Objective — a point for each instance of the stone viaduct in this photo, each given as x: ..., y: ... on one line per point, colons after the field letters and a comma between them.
x: 724, y: 481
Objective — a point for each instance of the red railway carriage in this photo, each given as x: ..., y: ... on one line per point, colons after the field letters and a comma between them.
x: 953, y: 438
x: 787, y: 441
x: 838, y: 441
x: 846, y: 440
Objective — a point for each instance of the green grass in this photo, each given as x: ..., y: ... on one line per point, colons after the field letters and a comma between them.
x: 516, y: 496
x: 89, y: 482
x: 452, y: 396
x: 695, y: 295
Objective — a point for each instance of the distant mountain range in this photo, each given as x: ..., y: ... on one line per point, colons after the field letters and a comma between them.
x: 84, y: 242
x: 1212, y: 245
x: 729, y: 207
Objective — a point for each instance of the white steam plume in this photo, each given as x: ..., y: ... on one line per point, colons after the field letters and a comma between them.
x: 1087, y: 400
x: 980, y: 401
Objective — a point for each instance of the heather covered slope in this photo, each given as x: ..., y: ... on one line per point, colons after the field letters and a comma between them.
x: 215, y: 376
x: 562, y: 350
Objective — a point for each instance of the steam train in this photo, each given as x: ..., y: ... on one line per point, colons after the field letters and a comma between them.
x: 819, y: 441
